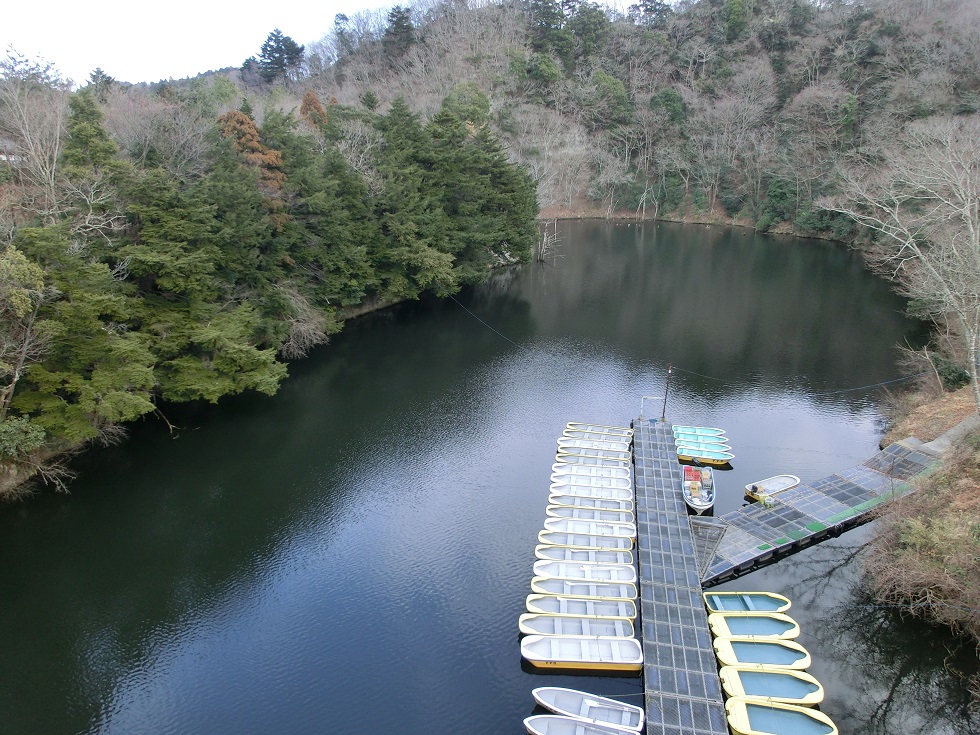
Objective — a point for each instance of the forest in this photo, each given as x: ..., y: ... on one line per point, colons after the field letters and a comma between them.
x: 183, y: 240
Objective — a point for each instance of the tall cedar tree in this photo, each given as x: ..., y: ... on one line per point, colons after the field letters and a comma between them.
x: 281, y: 57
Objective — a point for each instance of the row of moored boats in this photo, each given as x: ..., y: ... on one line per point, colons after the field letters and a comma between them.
x: 583, y: 602
x: 583, y: 597
x: 762, y: 666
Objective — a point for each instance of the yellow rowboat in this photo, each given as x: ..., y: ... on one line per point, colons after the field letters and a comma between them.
x: 584, y: 589
x: 540, y: 624
x: 753, y: 625
x: 585, y: 541
x: 592, y: 528
x: 718, y: 602
x: 748, y: 717
x: 582, y: 652
x: 573, y: 553
x: 786, y: 686
x: 599, y: 428
x: 615, y: 573
x: 590, y: 514
x: 769, y: 652
x: 580, y: 607
x: 560, y: 499
x: 704, y: 456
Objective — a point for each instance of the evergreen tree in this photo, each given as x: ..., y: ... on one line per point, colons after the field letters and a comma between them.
x: 281, y: 57
x: 400, y: 33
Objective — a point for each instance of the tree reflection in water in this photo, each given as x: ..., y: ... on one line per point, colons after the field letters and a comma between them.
x: 884, y: 672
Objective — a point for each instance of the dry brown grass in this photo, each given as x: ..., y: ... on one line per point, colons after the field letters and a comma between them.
x: 926, y: 553
x: 926, y: 416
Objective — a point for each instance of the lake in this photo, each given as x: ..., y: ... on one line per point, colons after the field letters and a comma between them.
x: 352, y: 554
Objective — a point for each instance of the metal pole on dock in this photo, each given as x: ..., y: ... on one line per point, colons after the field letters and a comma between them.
x: 663, y: 415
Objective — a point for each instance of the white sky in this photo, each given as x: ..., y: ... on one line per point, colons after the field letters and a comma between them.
x: 146, y: 41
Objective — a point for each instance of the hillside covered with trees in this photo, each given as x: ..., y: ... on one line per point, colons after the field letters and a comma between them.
x: 181, y: 241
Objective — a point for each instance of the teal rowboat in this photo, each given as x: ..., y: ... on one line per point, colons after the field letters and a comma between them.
x: 773, y: 685
x: 745, y: 602
x: 766, y: 651
x: 748, y: 717
x: 699, y: 430
x: 754, y: 625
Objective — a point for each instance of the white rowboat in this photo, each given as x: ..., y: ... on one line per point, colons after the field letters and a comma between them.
x: 557, y: 480
x: 599, y: 428
x: 583, y: 589
x: 568, y: 443
x: 540, y: 624
x: 587, y: 491
x: 589, y: 707
x: 581, y: 652
x: 570, y: 553
x: 566, y: 468
x: 587, y: 461
x: 585, y: 541
x: 561, y: 725
x: 620, y: 456
x: 558, y: 498
x: 590, y: 514
x: 592, y: 528
x: 580, y: 607
x: 594, y: 572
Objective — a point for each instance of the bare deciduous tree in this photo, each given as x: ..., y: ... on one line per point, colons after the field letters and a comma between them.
x: 923, y: 204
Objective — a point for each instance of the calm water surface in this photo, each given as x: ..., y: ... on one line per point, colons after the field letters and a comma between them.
x: 351, y: 555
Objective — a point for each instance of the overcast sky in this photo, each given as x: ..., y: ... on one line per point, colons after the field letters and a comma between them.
x: 147, y: 41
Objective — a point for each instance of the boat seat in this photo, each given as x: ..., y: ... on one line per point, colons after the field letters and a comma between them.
x: 748, y: 602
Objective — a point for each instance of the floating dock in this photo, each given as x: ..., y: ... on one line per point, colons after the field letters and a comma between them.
x: 683, y: 694
x: 679, y: 554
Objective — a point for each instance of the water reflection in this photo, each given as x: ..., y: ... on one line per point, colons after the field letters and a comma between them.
x: 288, y: 563
x: 883, y: 672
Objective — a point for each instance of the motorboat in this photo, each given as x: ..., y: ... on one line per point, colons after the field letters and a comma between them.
x: 762, y: 489
x: 698, y: 488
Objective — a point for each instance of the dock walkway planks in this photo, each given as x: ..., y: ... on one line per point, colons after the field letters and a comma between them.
x: 760, y: 533
x: 678, y: 554
x: 683, y: 694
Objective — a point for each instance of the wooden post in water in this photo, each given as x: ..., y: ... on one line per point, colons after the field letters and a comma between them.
x: 663, y: 415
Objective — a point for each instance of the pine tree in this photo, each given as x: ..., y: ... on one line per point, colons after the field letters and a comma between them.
x: 281, y: 57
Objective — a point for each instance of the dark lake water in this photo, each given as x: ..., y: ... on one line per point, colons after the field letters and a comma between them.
x: 351, y: 555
